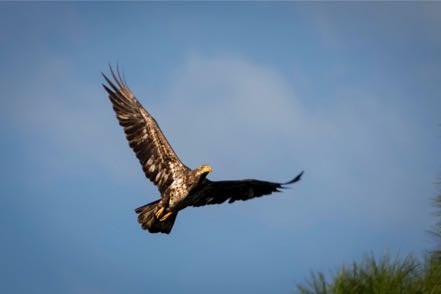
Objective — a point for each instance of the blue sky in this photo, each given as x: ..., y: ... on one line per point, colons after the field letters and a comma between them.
x: 349, y: 92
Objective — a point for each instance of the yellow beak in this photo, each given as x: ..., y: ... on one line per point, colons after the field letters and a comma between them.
x: 206, y: 169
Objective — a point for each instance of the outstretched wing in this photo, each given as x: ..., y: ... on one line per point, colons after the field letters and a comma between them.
x: 221, y: 191
x: 159, y: 162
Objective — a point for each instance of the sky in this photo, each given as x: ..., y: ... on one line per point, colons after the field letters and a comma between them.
x: 348, y: 92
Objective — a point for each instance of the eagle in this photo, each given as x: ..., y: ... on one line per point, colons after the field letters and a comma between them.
x: 178, y: 185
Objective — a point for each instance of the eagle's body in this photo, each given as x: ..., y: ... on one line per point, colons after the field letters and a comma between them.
x: 179, y: 185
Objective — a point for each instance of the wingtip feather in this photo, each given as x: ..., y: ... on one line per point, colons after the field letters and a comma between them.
x: 296, y: 179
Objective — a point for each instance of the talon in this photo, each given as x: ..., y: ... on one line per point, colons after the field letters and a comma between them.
x: 159, y: 212
x: 166, y: 216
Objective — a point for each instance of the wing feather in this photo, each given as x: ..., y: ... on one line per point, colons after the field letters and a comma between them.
x: 217, y: 192
x: 159, y: 162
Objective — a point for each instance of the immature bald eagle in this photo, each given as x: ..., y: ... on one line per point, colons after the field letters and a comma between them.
x: 179, y: 185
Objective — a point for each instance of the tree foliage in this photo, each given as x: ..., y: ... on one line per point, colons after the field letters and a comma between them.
x: 384, y: 275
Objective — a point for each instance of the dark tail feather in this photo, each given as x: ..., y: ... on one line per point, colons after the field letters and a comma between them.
x: 148, y: 220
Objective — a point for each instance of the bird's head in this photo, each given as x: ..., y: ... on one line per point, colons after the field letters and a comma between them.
x: 203, y: 170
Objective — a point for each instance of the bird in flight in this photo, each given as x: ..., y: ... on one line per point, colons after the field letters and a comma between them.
x: 179, y: 185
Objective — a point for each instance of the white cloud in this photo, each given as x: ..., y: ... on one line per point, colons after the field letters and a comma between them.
x: 238, y: 106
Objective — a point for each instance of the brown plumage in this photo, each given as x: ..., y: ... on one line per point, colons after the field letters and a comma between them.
x: 178, y: 185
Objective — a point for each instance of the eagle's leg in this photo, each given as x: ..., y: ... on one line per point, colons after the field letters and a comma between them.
x: 159, y: 212
x: 166, y: 216
x: 161, y: 215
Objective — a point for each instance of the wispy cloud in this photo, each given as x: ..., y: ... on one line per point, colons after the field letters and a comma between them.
x: 247, y: 121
